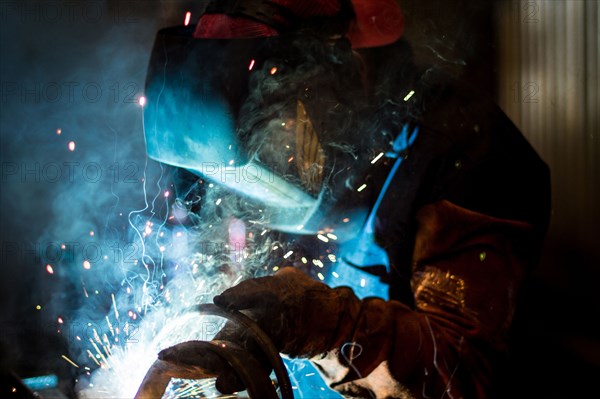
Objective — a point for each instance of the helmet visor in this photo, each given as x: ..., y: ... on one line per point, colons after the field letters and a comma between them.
x: 254, y: 115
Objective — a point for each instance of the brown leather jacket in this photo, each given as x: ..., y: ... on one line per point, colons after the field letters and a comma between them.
x: 462, y: 235
x: 468, y: 268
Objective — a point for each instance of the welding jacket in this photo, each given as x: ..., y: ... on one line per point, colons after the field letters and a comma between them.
x: 462, y: 223
x: 462, y: 233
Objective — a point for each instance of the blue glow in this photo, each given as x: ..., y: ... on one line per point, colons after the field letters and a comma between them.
x: 306, y: 380
x: 180, y: 129
x: 41, y: 382
x: 363, y: 251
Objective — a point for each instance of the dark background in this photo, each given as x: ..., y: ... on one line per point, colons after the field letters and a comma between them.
x: 105, y: 44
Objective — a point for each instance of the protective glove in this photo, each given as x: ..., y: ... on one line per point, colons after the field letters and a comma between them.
x: 303, y: 317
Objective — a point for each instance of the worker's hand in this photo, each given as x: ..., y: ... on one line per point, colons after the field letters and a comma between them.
x: 303, y: 317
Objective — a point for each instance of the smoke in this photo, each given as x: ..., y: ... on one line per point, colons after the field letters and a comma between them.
x: 190, y: 239
x: 111, y: 247
x: 117, y: 247
x: 66, y: 77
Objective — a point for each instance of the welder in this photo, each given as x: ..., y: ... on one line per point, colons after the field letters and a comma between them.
x: 437, y: 201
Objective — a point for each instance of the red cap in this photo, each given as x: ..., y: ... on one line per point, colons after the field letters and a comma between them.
x: 221, y: 26
x: 377, y: 22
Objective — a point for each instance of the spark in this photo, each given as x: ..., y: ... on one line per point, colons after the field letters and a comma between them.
x: 322, y: 238
x: 167, y: 194
x: 287, y: 255
x: 71, y: 146
x: 69, y: 360
x: 275, y: 268
x: 218, y: 201
x: 363, y: 282
x: 106, y: 345
x: 60, y: 320
x: 332, y: 258
x: 38, y: 307
x: 188, y: 16
x: 482, y: 256
x: 92, y: 233
x: 237, y: 280
x: 96, y: 336
x: 409, y: 95
x: 49, y: 269
x: 335, y: 275
x: 345, y: 220
x: 332, y: 236
x: 361, y: 188
x: 110, y: 327
x: 93, y: 357
x: 59, y: 131
x: 252, y: 62
x: 299, y: 227
x: 317, y: 262
x: 273, y: 70
x: 87, y: 265
x: 304, y: 260
x: 377, y: 158
x: 112, y: 295
x: 321, y: 277
x: 142, y: 101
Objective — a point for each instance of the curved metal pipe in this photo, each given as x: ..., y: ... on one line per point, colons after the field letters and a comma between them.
x: 262, y: 340
x: 258, y: 384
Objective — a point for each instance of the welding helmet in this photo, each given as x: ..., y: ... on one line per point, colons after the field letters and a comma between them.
x: 266, y: 98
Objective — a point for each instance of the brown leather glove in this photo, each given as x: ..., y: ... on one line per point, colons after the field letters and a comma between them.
x: 302, y: 316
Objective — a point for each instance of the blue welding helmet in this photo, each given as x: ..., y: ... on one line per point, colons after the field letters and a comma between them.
x: 278, y: 120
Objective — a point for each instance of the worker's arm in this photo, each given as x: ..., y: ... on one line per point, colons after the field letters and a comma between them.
x: 468, y: 268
